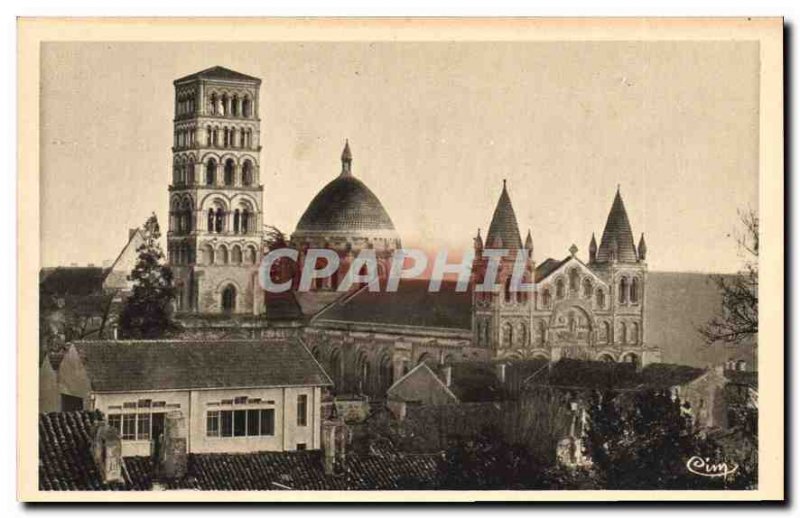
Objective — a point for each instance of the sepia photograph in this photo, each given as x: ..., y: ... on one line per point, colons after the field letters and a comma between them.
x: 409, y: 258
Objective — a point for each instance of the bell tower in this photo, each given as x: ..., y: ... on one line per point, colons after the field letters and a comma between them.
x: 215, y: 221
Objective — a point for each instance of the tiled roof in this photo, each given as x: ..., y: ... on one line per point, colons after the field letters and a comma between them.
x: 345, y: 204
x: 411, y: 305
x: 547, y: 267
x: 218, y: 73
x: 665, y: 375
x: 303, y: 470
x: 504, y: 224
x: 282, y: 306
x: 749, y: 378
x: 584, y: 374
x: 617, y: 236
x: 65, y: 459
x: 72, y: 280
x: 115, y: 366
x: 65, y: 464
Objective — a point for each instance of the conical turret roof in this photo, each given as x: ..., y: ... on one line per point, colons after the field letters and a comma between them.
x: 617, y: 240
x: 504, y: 224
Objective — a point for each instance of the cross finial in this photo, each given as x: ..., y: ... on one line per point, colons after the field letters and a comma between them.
x: 347, y: 158
x: 573, y: 249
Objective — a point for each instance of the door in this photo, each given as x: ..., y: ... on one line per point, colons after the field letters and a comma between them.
x: 157, y: 434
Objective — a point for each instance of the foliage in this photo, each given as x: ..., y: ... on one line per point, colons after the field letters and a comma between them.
x: 65, y: 318
x: 147, y: 312
x: 646, y: 443
x: 739, y: 319
x: 488, y: 461
x: 274, y: 238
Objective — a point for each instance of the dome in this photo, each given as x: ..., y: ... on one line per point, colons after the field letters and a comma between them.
x: 346, y: 208
x: 345, y: 204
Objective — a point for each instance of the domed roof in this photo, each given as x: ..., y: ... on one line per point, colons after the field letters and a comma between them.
x: 345, y: 205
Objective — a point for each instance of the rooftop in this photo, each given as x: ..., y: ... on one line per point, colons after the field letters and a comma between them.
x: 123, y: 366
x: 411, y: 305
x: 65, y: 463
x: 219, y: 73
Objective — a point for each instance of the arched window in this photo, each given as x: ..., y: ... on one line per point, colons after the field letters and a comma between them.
x: 560, y: 289
x: 235, y: 106
x: 236, y: 255
x: 236, y: 221
x: 190, y: 171
x: 522, y: 335
x: 210, y: 220
x: 574, y: 278
x: 211, y: 172
x: 251, y: 254
x: 508, y: 334
x: 634, y: 291
x: 212, y: 104
x: 601, y: 298
x: 245, y: 221
x: 623, y: 333
x: 176, y: 173
x: 623, y: 290
x: 546, y: 298
x: 215, y: 137
x: 507, y: 290
x: 209, y: 135
x: 542, y: 332
x: 247, y: 173
x: 362, y: 372
x: 386, y: 374
x: 606, y: 358
x: 631, y: 358
x: 246, y: 107
x: 229, y: 299
x: 223, y: 107
x: 222, y: 255
x: 229, y: 165
x: 219, y: 220
x: 208, y: 253
x: 635, y: 333
x: 587, y: 288
x: 337, y: 369
x: 186, y: 216
x: 607, y: 330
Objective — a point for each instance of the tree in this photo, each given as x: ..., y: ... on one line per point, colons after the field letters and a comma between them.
x: 147, y: 312
x: 739, y: 319
x: 644, y: 440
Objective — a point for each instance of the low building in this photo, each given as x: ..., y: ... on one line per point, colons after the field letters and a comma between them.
x: 235, y: 396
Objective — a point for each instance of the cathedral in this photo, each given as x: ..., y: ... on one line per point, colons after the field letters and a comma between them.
x: 587, y: 309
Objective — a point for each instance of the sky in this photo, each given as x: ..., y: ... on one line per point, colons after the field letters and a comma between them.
x: 434, y: 128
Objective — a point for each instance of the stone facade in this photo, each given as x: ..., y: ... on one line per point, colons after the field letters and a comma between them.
x: 214, y: 238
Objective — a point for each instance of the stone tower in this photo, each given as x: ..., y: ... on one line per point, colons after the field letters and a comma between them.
x: 501, y: 318
x: 619, y: 263
x: 214, y: 236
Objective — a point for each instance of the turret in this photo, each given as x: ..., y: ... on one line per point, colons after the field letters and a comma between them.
x: 478, y: 243
x: 592, y: 249
x: 347, y: 159
x: 642, y: 248
x: 529, y: 244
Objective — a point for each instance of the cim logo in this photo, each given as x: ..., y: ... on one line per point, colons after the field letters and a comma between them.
x: 704, y: 468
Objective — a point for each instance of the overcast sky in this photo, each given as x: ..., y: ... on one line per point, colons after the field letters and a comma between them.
x: 434, y: 128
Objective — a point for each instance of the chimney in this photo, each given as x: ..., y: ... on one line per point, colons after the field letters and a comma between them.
x: 447, y: 374
x: 107, y: 452
x: 501, y: 372
x: 334, y: 442
x: 173, y: 455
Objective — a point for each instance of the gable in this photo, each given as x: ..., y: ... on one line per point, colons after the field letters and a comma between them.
x: 551, y: 273
x: 117, y: 277
x: 421, y: 385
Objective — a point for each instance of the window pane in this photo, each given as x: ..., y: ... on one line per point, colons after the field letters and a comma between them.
x: 129, y: 426
x: 239, y: 419
x: 268, y: 422
x: 143, y: 427
x: 227, y: 423
x: 212, y: 424
x: 302, y: 410
x: 115, y: 421
x: 252, y: 422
